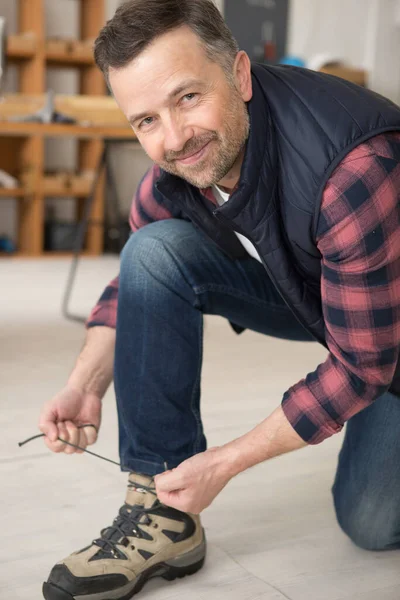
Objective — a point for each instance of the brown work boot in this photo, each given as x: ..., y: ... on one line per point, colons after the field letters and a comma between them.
x: 147, y: 539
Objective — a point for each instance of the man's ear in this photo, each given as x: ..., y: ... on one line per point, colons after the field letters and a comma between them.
x: 242, y: 74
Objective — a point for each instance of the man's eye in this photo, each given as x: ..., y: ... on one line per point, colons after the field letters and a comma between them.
x: 147, y: 121
x: 189, y: 96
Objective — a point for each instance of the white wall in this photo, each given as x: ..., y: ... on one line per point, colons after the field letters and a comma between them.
x: 365, y: 34
x: 323, y: 26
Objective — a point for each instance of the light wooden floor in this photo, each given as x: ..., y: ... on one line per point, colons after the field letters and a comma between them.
x: 272, y: 532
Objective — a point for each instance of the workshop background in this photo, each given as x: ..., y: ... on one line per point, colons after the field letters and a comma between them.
x: 69, y: 167
x: 45, y: 53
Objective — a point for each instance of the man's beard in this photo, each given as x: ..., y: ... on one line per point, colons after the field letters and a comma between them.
x: 222, y: 154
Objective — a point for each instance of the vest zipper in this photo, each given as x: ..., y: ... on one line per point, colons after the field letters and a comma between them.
x: 300, y: 319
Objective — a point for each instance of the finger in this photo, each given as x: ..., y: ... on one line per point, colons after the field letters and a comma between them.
x: 82, y: 441
x: 91, y: 434
x: 172, y: 499
x: 183, y: 501
x: 49, y: 429
x: 73, y: 437
x: 62, y: 433
x: 169, y: 481
x: 48, y: 424
x: 53, y: 446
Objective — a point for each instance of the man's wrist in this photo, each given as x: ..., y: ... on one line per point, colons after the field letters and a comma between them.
x: 93, y: 371
x: 89, y: 380
x: 232, y: 458
x: 272, y: 437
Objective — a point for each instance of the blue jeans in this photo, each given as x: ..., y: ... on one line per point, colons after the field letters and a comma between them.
x: 171, y: 275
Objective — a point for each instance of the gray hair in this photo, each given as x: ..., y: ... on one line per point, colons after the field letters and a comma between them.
x: 137, y: 23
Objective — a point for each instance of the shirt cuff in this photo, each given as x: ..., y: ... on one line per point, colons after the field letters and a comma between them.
x: 307, y: 416
x: 102, y: 317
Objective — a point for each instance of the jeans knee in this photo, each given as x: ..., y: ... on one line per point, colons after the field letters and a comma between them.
x: 144, y: 244
x: 147, y: 248
x: 371, y: 524
x: 159, y: 258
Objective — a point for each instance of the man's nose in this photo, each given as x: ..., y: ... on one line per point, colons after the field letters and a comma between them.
x: 175, y: 136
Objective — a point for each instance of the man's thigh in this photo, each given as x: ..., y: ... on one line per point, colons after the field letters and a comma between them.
x: 239, y: 290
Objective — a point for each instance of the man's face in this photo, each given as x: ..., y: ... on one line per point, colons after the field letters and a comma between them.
x: 189, y: 118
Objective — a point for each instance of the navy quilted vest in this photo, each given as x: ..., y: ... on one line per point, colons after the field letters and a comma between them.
x: 303, y: 124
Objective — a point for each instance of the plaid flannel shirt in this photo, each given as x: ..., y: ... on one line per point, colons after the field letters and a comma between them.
x: 358, y: 237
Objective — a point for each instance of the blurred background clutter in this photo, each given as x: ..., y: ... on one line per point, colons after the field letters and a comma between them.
x: 56, y: 117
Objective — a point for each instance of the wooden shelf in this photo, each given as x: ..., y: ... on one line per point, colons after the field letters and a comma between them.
x: 21, y: 47
x: 84, y: 110
x: 13, y: 193
x: 67, y: 192
x: 46, y: 254
x: 69, y: 52
x: 68, y: 59
x: 63, y: 254
x: 58, y: 130
x: 22, y: 145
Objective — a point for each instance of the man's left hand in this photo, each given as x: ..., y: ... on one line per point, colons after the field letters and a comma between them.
x: 193, y: 485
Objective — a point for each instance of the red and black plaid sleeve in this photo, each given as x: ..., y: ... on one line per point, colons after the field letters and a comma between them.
x: 147, y: 206
x: 359, y: 239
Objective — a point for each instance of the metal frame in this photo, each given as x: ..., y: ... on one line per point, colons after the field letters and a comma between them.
x: 112, y: 200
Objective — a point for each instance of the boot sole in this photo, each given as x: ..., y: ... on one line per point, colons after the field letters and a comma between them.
x: 164, y: 570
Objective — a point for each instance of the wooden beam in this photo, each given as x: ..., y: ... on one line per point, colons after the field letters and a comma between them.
x: 31, y: 218
x: 92, y: 19
x: 32, y: 73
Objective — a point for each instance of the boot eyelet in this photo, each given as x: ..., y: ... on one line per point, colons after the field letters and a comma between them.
x: 155, y: 525
x: 133, y: 548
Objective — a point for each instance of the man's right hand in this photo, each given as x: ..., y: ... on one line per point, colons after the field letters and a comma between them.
x: 61, y: 417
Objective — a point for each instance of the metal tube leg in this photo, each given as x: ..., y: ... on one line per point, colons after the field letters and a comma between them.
x: 79, y: 241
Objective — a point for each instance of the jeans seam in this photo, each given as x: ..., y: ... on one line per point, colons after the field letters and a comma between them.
x: 195, y: 388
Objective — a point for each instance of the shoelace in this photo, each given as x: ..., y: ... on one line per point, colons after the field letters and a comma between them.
x: 129, y: 517
x: 36, y: 437
x: 126, y: 524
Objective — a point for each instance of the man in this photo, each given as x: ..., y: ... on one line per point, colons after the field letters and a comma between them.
x: 273, y: 201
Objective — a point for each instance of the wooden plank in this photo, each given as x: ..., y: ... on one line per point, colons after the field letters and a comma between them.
x: 56, y: 130
x: 12, y: 192
x: 67, y: 60
x: 92, y: 81
x: 30, y: 234
x: 21, y: 46
x: 52, y: 254
x: 64, y: 184
x: 10, y: 149
x: 92, y: 19
x: 32, y: 76
x: 67, y: 52
x: 86, y: 110
x: 31, y: 17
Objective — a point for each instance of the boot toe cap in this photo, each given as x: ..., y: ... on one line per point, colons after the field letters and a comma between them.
x: 64, y: 585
